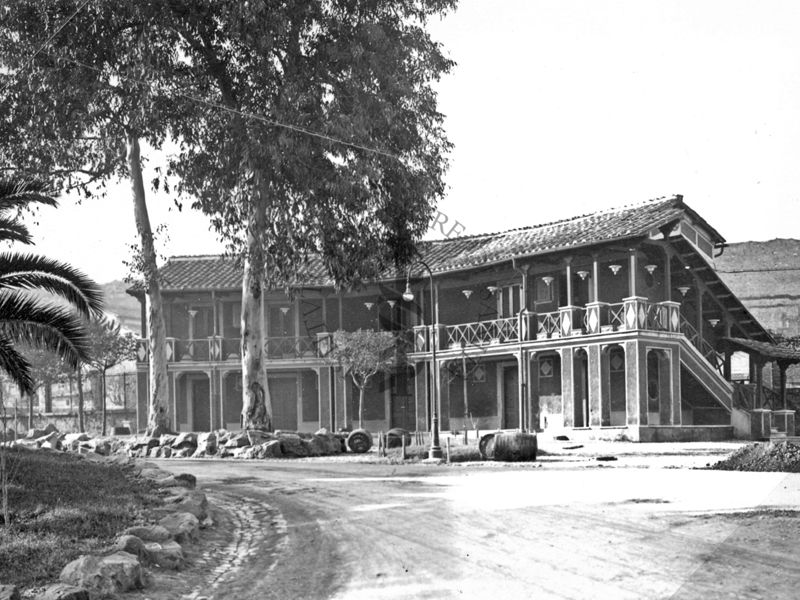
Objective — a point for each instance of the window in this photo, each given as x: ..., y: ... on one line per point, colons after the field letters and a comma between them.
x: 509, y: 301
x: 544, y: 292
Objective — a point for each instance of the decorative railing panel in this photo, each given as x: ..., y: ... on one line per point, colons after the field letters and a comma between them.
x: 549, y: 324
x: 497, y: 331
x: 290, y: 347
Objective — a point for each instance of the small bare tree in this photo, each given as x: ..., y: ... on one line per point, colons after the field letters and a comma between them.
x: 361, y: 355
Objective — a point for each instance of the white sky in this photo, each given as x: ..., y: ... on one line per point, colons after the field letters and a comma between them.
x: 562, y: 107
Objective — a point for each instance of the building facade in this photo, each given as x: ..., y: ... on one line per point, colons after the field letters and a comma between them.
x: 612, y: 325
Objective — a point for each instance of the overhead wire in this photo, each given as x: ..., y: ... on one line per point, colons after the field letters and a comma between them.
x: 240, y: 113
x: 27, y: 63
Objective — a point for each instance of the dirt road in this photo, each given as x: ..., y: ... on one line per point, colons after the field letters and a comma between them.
x: 294, y: 529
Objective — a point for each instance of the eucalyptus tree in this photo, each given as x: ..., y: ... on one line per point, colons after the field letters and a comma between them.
x: 319, y: 137
x: 76, y: 109
x: 303, y: 128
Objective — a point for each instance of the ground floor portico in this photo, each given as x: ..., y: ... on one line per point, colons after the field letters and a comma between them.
x: 632, y: 385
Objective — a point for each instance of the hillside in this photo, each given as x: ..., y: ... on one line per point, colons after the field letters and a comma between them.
x: 125, y: 307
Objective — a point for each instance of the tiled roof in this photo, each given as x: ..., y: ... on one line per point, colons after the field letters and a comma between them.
x: 628, y: 222
x: 767, y: 350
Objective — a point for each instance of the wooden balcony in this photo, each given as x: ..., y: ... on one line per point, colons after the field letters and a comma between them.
x: 219, y: 349
x: 632, y: 314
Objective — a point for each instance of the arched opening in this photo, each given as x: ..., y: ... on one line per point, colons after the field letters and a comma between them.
x: 659, y: 389
x: 546, y: 391
x: 614, y: 397
x: 580, y: 387
x: 193, y: 402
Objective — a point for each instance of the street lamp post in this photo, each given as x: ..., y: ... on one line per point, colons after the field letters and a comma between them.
x: 435, y: 451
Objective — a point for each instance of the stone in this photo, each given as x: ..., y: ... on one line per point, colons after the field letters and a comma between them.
x: 50, y: 428
x: 62, y: 591
x: 71, y: 438
x: 167, y: 439
x: 185, y: 480
x: 292, y: 445
x: 238, y: 441
x: 190, y: 501
x: 256, y: 437
x: 167, y: 554
x: 9, y: 592
x: 149, y: 533
x: 131, y: 544
x: 207, y: 442
x: 164, y: 451
x: 316, y: 446
x: 35, y: 434
x: 183, y: 452
x: 118, y: 572
x: 270, y: 449
x: 182, y: 526
x: 185, y: 439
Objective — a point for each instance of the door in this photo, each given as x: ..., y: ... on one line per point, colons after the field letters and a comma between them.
x: 201, y: 406
x: 510, y: 397
x: 403, y: 399
x: 283, y: 393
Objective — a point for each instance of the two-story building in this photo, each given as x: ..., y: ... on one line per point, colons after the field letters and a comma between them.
x: 613, y: 324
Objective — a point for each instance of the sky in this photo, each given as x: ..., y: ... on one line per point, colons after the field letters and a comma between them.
x: 559, y: 108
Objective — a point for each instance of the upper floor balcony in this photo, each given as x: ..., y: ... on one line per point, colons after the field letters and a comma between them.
x: 595, y: 318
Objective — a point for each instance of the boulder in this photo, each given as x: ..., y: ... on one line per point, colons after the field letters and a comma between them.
x: 118, y: 572
x: 71, y: 440
x: 183, y: 452
x: 50, y: 428
x: 185, y: 440
x: 190, y: 501
x: 207, y: 442
x: 132, y: 545
x: 167, y: 554
x: 330, y: 443
x: 62, y: 591
x: 35, y: 434
x: 316, y: 446
x: 9, y: 592
x: 238, y: 441
x: 182, y: 526
x: 243, y: 452
x: 292, y: 445
x: 271, y: 449
x: 256, y: 437
x: 164, y: 451
x: 184, y: 480
x: 149, y: 533
x: 167, y: 439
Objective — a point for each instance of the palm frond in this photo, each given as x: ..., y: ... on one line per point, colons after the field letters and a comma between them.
x: 31, y: 320
x: 16, y: 366
x: 32, y: 272
x: 12, y: 230
x: 18, y: 194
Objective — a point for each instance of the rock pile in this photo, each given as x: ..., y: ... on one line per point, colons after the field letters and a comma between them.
x: 160, y: 543
x: 765, y: 456
x: 220, y: 444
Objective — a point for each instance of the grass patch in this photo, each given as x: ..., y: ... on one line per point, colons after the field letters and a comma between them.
x: 63, y: 506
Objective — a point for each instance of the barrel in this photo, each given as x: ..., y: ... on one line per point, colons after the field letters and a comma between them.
x: 515, y: 446
x: 486, y: 446
x: 359, y: 441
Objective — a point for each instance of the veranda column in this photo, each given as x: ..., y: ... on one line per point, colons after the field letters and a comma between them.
x: 632, y: 271
x: 324, y: 395
x: 595, y: 385
x: 567, y: 387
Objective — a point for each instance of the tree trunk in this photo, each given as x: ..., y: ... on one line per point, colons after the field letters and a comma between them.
x: 361, y: 407
x: 103, y: 398
x: 158, y: 417
x: 256, y: 406
x: 30, y: 410
x: 81, y: 421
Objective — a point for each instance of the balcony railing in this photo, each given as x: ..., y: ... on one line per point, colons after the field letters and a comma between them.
x: 497, y: 331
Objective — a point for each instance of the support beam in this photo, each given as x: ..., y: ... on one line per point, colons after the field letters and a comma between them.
x: 595, y: 279
x: 568, y: 264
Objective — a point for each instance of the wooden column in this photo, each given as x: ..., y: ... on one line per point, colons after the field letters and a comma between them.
x: 568, y: 262
x: 782, y: 366
x: 595, y: 279
x: 632, y: 269
x: 667, y: 275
